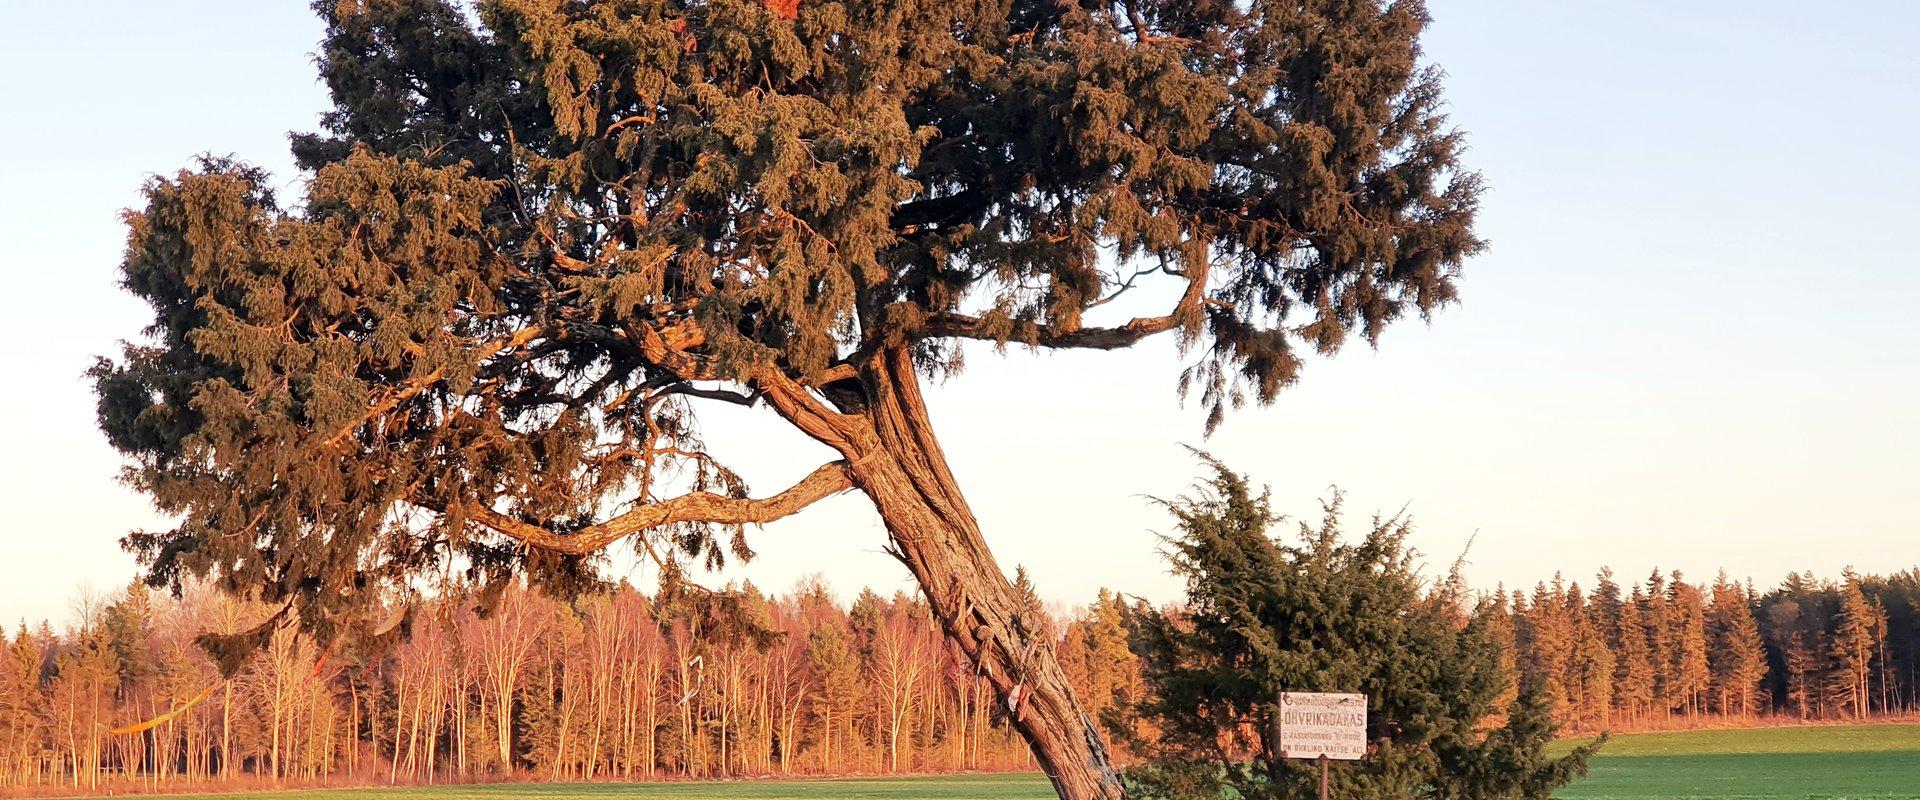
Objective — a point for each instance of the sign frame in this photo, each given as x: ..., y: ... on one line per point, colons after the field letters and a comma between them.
x: 1313, y: 724
x: 1325, y: 728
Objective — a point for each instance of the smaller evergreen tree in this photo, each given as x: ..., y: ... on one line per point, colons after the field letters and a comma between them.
x: 1264, y: 616
x: 831, y: 653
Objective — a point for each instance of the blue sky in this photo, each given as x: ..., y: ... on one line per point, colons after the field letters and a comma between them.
x: 1694, y: 343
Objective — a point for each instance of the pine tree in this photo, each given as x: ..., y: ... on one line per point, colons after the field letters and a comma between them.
x: 1593, y: 663
x: 1739, y: 663
x: 1545, y: 636
x: 1794, y: 625
x: 23, y: 711
x: 1604, y: 606
x: 834, y: 660
x: 1655, y: 618
x: 1634, y: 672
x: 538, y: 240
x: 1900, y: 597
x: 1797, y: 659
x: 1103, y: 669
x: 1689, y: 674
x: 1880, y: 634
x: 1032, y: 618
x: 1495, y: 616
x: 1855, y: 643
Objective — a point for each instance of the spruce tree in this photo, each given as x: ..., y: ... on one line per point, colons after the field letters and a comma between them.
x: 1593, y: 664
x: 1856, y: 640
x: 1634, y: 673
x: 1899, y: 595
x: 1604, y: 608
x: 1496, y: 615
x: 1604, y: 605
x: 836, y: 665
x: 1551, y: 628
x: 1739, y: 663
x: 1688, y: 673
x: 1796, y: 653
x: 23, y: 712
x: 537, y: 239
x: 1654, y: 617
x: 1101, y: 665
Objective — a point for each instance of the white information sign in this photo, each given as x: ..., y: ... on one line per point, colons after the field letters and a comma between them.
x: 1313, y: 724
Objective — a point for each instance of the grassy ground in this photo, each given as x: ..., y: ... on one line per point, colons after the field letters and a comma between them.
x: 1853, y: 762
x: 1858, y: 762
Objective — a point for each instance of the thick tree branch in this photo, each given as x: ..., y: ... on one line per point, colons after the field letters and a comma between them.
x: 1185, y: 311
x: 1042, y: 335
x: 837, y: 372
x: 828, y: 480
x: 667, y: 347
x: 723, y: 395
x: 851, y: 435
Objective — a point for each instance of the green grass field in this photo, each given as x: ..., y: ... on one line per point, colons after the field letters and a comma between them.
x: 1840, y: 762
x: 1858, y: 762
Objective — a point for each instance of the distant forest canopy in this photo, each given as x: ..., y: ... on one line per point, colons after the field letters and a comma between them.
x: 1618, y: 658
x: 626, y: 685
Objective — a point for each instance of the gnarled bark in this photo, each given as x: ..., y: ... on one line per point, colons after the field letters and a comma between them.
x: 899, y: 464
x: 891, y: 454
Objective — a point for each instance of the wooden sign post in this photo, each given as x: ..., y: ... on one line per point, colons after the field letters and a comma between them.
x: 1323, y: 727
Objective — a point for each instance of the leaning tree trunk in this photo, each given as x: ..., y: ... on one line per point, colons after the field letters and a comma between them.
x: 935, y: 534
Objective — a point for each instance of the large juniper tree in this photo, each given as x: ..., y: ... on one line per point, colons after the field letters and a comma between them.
x: 539, y: 236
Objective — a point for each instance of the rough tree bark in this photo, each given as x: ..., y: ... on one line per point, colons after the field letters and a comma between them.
x: 895, y: 459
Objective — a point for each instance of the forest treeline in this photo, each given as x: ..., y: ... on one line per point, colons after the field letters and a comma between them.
x: 629, y: 685
x: 1618, y: 658
x: 615, y: 685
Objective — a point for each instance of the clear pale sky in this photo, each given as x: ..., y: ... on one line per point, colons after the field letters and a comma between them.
x: 1694, y: 343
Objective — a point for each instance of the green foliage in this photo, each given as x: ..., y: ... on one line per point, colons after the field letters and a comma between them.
x: 837, y: 664
x: 1738, y: 658
x: 1840, y: 649
x: 1688, y: 634
x: 1635, y: 673
x: 1097, y: 659
x: 1323, y: 614
x: 1859, y: 633
x: 535, y: 231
